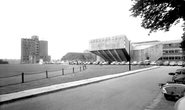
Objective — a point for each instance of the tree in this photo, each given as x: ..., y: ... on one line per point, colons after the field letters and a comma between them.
x: 160, y: 15
x: 182, y: 45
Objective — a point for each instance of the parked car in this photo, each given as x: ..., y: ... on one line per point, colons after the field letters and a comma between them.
x: 140, y: 63
x: 105, y: 63
x: 159, y: 63
x: 117, y: 63
x: 175, y: 89
x: 173, y: 63
x: 113, y: 63
x: 147, y: 62
x: 95, y: 63
x: 153, y: 63
x: 127, y: 63
x: 180, y: 104
x: 122, y: 63
x: 180, y: 63
x: 101, y: 62
x: 178, y: 76
x: 134, y: 63
x: 166, y: 63
x: 172, y: 91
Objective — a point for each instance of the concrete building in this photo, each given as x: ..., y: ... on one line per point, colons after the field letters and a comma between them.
x: 43, y: 50
x: 149, y: 50
x: 110, y: 49
x: 116, y: 48
x: 32, y: 50
x: 172, y: 51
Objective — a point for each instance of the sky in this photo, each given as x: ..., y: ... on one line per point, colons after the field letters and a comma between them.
x: 69, y: 25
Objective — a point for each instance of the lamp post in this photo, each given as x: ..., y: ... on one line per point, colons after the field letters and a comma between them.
x: 129, y: 57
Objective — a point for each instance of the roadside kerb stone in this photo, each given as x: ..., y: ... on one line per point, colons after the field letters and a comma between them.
x: 33, y: 92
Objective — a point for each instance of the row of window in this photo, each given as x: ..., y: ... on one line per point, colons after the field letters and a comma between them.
x: 172, y: 58
x: 105, y: 39
x: 172, y: 51
x: 171, y: 45
x: 25, y: 57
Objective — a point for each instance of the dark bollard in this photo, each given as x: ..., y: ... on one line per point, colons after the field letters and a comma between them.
x: 80, y: 68
x: 73, y: 69
x: 62, y: 71
x: 22, y: 77
x: 46, y: 74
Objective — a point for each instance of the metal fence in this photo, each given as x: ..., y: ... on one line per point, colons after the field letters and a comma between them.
x: 33, y: 76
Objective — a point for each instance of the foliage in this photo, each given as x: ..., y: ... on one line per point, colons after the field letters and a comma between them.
x: 159, y: 14
x: 182, y: 45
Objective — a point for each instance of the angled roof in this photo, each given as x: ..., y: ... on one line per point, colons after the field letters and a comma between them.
x: 171, y: 41
x: 144, y: 45
x: 139, y: 47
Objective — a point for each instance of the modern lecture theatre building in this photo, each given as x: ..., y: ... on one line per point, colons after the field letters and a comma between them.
x: 118, y: 48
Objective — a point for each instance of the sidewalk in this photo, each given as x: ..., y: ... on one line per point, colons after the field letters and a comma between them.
x: 33, y: 92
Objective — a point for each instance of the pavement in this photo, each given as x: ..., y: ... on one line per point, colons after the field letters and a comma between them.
x: 43, y: 90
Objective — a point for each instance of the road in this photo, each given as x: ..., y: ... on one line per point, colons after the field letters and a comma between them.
x: 132, y: 92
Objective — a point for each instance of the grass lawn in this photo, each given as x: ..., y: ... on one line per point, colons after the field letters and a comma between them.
x: 15, y: 69
x: 90, y: 72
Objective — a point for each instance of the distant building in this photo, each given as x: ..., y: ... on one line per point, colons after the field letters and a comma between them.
x: 172, y: 51
x: 74, y: 56
x: 32, y: 50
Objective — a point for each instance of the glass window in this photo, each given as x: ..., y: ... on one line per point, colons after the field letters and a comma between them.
x: 165, y: 58
x: 171, y: 51
x: 177, y: 51
x: 177, y: 57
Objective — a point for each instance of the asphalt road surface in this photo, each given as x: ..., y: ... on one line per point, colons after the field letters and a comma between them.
x: 132, y: 92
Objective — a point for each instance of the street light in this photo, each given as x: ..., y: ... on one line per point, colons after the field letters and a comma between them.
x: 129, y: 57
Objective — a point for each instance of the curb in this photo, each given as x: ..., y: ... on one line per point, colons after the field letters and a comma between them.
x: 43, y: 90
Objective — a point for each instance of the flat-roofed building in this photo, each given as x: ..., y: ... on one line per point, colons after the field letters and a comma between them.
x: 32, y: 50
x: 43, y: 50
x: 172, y: 51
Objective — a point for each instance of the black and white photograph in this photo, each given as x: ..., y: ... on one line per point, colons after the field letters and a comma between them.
x: 92, y: 55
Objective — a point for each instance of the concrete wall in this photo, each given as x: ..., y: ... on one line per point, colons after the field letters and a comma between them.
x: 152, y: 53
x: 115, y: 48
x: 107, y: 43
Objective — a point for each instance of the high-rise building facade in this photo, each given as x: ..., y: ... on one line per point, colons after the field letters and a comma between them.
x: 33, y: 50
